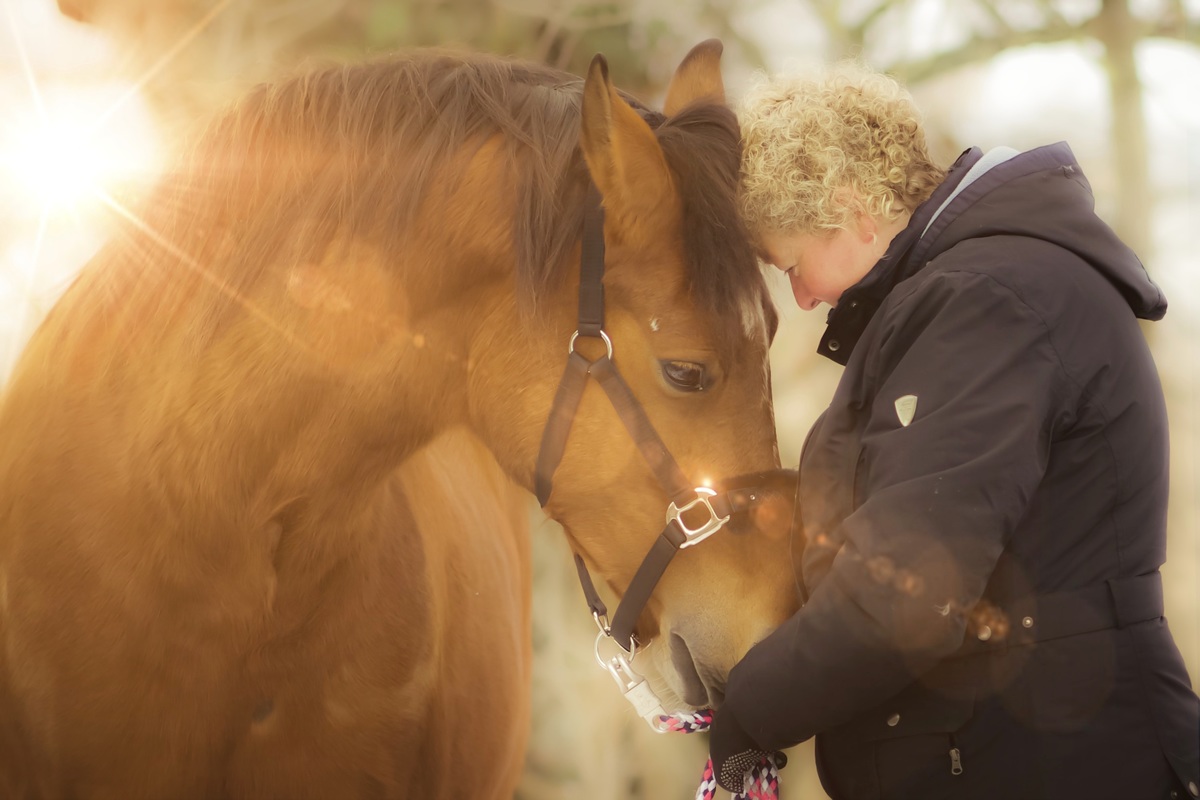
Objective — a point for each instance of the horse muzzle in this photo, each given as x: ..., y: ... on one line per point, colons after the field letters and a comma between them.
x: 701, y: 686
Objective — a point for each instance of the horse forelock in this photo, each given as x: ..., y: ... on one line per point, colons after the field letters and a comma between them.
x: 702, y: 145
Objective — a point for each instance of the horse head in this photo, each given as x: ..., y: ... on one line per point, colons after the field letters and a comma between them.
x: 687, y: 322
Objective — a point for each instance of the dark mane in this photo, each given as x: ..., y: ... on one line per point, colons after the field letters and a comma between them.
x: 351, y: 150
x: 702, y: 144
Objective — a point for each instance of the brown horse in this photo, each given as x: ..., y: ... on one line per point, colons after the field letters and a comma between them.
x: 260, y: 530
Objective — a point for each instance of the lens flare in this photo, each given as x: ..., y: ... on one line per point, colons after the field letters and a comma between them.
x: 59, y: 159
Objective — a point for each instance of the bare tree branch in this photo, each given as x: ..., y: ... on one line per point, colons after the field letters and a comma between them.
x: 1001, y: 21
x: 1053, y: 16
x: 980, y: 48
x: 1181, y: 29
x: 829, y: 12
x: 871, y: 17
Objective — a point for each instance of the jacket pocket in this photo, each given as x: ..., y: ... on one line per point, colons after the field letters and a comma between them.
x: 906, y: 748
x: 918, y: 712
x: 926, y: 761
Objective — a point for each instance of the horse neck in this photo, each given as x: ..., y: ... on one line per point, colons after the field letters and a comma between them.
x: 334, y: 391
x: 352, y: 397
x: 368, y: 356
x: 328, y: 372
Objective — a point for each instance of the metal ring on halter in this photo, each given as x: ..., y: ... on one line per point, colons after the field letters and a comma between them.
x: 603, y: 335
x: 627, y: 657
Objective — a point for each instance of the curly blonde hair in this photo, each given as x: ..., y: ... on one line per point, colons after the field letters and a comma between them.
x: 819, y: 148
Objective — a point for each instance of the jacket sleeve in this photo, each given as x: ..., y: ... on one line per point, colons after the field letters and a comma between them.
x: 936, y: 502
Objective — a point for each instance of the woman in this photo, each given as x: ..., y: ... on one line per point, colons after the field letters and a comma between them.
x: 983, y: 504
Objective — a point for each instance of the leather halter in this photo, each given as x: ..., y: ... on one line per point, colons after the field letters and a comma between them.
x: 706, y: 510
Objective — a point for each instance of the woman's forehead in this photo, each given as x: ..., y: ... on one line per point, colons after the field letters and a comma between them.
x: 782, y: 245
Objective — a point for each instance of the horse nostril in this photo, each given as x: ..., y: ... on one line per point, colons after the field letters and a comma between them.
x: 694, y: 691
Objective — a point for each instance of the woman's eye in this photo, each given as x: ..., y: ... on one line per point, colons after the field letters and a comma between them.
x: 687, y: 376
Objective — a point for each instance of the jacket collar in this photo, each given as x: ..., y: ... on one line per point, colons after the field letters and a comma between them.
x: 858, y: 304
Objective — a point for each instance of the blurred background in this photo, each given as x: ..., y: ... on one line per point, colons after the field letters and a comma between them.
x: 96, y: 95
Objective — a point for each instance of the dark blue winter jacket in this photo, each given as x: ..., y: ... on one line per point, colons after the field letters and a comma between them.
x: 983, y: 513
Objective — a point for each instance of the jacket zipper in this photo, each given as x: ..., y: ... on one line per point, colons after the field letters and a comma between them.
x: 955, y: 757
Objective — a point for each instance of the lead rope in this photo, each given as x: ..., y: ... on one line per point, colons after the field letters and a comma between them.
x: 761, y: 781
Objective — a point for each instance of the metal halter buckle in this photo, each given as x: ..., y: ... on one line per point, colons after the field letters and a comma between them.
x: 712, y: 525
x: 633, y: 686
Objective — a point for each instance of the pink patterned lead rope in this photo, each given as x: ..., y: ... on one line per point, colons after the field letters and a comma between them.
x: 761, y: 781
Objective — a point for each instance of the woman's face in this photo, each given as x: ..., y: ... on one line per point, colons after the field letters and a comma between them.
x: 821, y: 265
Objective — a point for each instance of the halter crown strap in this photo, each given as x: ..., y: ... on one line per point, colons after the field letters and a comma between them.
x: 591, y: 323
x: 591, y: 267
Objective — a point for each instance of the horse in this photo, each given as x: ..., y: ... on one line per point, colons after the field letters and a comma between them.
x: 265, y: 467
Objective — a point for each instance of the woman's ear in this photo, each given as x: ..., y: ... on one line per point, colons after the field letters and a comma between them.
x: 858, y: 222
x: 866, y: 227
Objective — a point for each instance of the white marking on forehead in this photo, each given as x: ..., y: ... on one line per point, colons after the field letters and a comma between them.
x: 654, y: 323
x: 754, y: 321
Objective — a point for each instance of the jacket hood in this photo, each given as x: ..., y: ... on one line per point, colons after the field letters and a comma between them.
x: 1043, y: 194
x: 1040, y: 194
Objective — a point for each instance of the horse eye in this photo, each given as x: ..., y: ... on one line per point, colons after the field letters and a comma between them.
x: 687, y: 376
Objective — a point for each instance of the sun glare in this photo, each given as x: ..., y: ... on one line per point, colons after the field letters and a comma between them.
x: 60, y: 160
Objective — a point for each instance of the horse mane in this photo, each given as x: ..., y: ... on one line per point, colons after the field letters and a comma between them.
x: 702, y: 145
x: 349, y: 152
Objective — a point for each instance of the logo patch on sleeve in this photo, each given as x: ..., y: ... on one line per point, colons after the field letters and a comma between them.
x: 906, y: 408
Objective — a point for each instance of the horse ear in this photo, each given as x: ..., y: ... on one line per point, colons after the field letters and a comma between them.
x: 622, y: 152
x: 698, y: 77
